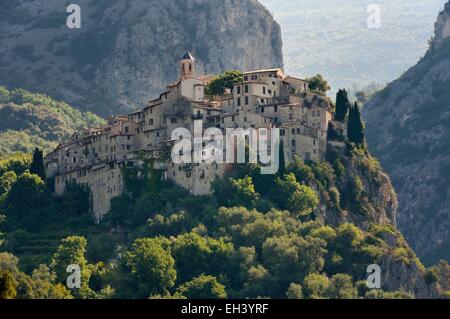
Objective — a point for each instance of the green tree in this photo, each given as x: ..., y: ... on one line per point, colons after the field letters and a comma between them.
x: 150, y: 267
x: 8, y: 286
x: 318, y: 83
x: 72, y: 252
x: 191, y: 252
x: 6, y: 182
x: 343, y: 105
x: 45, y: 286
x: 355, y: 126
x: 299, y: 199
x: 203, y: 287
x: 316, y: 286
x: 291, y: 257
x: 5, y: 95
x: 231, y: 192
x: 195, y: 255
x: 222, y: 82
x: 341, y: 287
x: 295, y: 291
x: 18, y: 163
x: 27, y: 195
x: 282, y: 168
x: 75, y: 201
x: 37, y: 164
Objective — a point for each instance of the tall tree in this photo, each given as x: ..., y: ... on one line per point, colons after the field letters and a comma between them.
x: 37, y: 165
x: 282, y: 168
x: 355, y: 126
x: 342, y: 105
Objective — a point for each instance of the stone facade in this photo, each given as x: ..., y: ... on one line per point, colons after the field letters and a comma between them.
x: 264, y: 99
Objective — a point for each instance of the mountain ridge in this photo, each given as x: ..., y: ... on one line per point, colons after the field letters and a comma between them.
x: 407, y: 129
x: 121, y: 56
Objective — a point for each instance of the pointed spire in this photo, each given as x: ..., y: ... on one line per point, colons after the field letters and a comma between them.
x: 187, y: 56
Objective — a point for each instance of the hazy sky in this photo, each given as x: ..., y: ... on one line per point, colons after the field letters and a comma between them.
x: 332, y: 37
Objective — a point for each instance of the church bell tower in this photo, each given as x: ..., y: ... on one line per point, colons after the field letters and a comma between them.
x: 187, y: 66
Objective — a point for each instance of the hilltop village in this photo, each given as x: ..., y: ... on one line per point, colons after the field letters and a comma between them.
x: 263, y: 99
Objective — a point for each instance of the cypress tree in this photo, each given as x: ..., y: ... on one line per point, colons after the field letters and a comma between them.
x: 355, y: 126
x: 342, y: 105
x: 37, y: 165
x: 282, y: 167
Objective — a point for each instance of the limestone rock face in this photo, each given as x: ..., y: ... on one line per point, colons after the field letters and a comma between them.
x: 442, y: 26
x: 127, y: 50
x: 408, y: 131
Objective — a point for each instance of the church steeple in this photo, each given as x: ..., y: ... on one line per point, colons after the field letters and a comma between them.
x: 187, y: 66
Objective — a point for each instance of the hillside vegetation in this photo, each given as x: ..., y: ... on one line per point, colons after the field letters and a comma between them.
x: 308, y: 232
x: 30, y: 119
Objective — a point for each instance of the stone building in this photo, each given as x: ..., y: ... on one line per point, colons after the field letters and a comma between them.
x: 264, y: 99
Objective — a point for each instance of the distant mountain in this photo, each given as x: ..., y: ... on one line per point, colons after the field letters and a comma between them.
x: 408, y: 130
x: 331, y: 37
x: 126, y: 50
x: 28, y: 120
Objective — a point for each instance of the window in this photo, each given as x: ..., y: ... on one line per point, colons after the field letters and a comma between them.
x: 246, y: 78
x: 275, y: 108
x: 314, y: 142
x: 291, y: 117
x: 239, y: 89
x: 293, y: 143
x: 264, y: 90
x: 293, y: 131
x: 238, y: 101
x: 127, y: 129
x: 246, y: 100
x: 282, y: 133
x: 318, y: 113
x: 246, y: 89
x: 262, y: 110
x: 173, y: 120
x: 150, y: 122
x: 313, y: 113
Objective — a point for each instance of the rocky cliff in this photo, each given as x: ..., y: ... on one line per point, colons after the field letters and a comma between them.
x: 127, y: 50
x: 408, y: 129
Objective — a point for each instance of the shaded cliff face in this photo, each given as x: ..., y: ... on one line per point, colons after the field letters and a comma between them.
x: 408, y: 130
x: 127, y: 50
